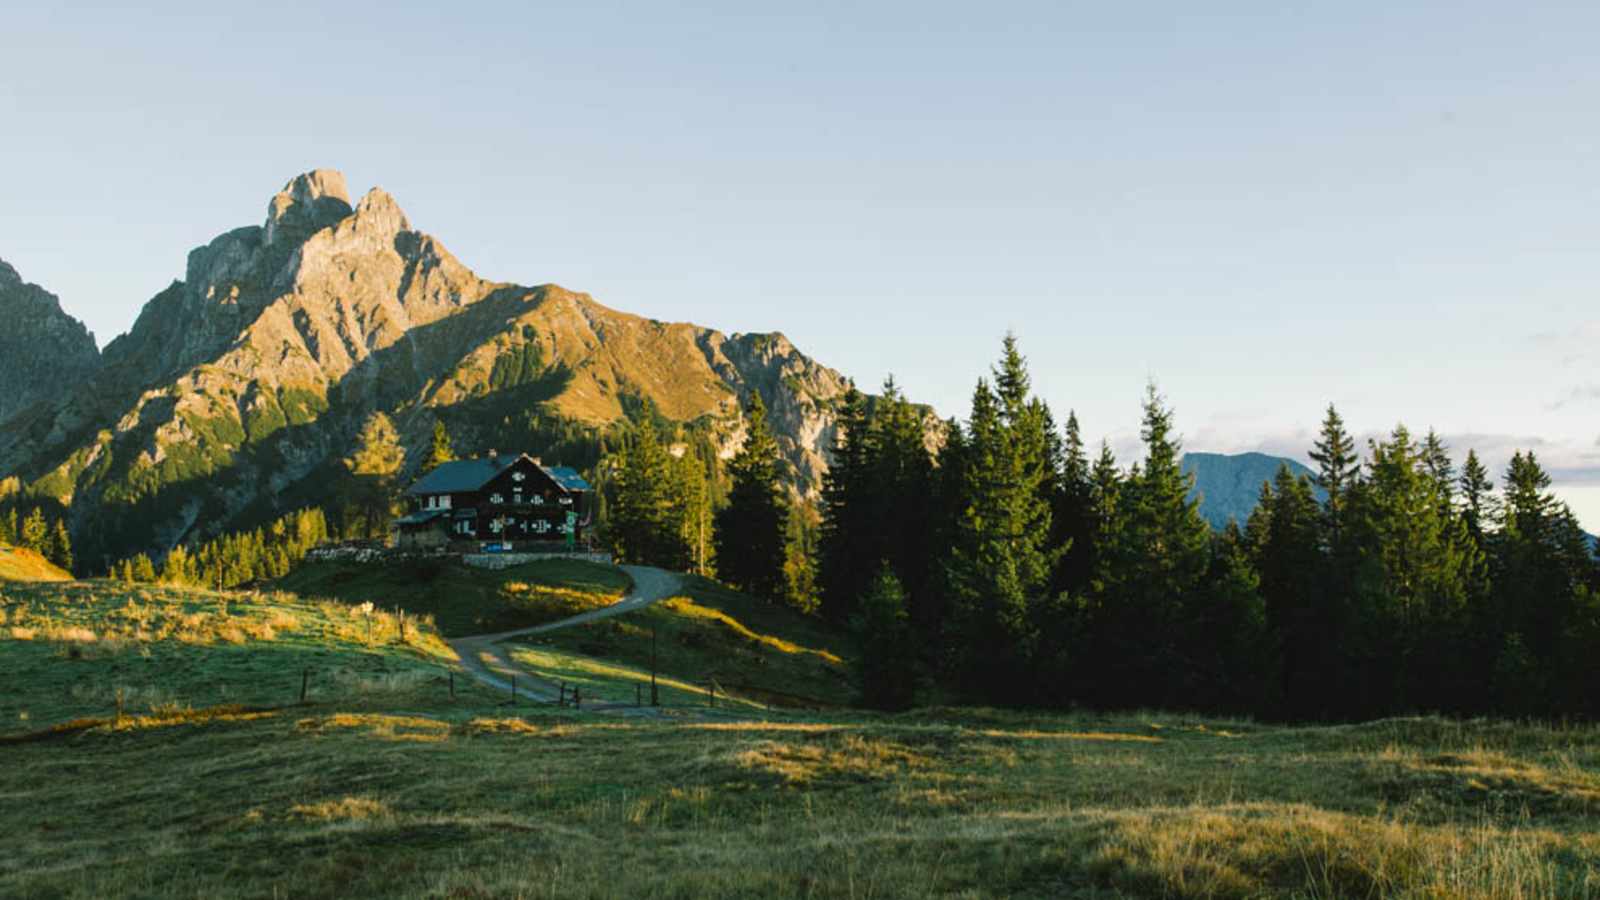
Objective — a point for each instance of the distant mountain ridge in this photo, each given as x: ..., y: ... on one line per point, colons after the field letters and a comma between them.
x: 1229, y: 485
x: 240, y: 383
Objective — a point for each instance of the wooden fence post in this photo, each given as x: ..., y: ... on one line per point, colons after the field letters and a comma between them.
x: 513, y: 690
x: 305, y: 681
x: 577, y: 697
x: 452, y: 684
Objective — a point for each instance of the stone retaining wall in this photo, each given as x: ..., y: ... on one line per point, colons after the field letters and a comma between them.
x: 507, y: 560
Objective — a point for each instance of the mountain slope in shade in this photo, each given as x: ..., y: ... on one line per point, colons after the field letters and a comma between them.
x: 43, y: 351
x: 1228, y: 485
x: 247, y: 380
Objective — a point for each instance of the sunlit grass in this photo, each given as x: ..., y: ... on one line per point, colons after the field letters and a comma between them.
x: 382, y: 785
x: 764, y: 653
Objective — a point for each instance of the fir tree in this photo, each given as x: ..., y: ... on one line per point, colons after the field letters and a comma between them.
x: 1477, y: 497
x: 142, y: 569
x: 1284, y: 535
x: 641, y: 522
x: 1158, y: 558
x: 887, y: 670
x: 751, y: 529
x: 1000, y: 565
x: 847, y: 511
x: 59, y: 550
x: 1338, y: 471
x: 8, y: 528
x: 1074, y: 513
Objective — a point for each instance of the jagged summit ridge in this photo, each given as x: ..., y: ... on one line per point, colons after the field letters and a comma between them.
x: 239, y: 387
x: 306, y: 204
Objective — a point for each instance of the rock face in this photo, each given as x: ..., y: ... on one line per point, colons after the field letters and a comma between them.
x: 43, y: 351
x: 240, y: 383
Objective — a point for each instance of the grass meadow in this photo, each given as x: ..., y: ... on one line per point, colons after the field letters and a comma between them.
x: 463, y: 600
x: 753, y: 654
x: 388, y: 787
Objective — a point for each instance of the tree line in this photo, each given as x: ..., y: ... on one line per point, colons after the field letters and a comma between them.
x: 44, y: 535
x: 1012, y: 568
x: 235, y: 559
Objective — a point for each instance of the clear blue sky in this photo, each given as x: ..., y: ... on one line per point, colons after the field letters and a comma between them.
x: 1391, y: 207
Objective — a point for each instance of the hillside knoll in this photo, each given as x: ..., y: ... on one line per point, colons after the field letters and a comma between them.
x: 21, y: 564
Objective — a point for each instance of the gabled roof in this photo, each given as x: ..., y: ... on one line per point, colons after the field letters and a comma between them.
x: 567, y: 477
x: 419, y: 517
x: 464, y: 475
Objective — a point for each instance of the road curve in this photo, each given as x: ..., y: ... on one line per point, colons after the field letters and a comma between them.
x: 486, y: 662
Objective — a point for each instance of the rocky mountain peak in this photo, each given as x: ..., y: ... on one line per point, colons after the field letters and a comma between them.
x: 379, y: 210
x: 45, y: 350
x: 306, y: 204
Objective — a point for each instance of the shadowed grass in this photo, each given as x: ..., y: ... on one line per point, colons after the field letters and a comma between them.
x: 464, y: 600
x: 765, y: 653
x: 395, y: 791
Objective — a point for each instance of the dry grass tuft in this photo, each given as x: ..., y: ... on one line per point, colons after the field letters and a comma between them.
x: 343, y: 809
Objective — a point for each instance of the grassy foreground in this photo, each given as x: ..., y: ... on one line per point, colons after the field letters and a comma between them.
x: 463, y: 600
x: 398, y: 790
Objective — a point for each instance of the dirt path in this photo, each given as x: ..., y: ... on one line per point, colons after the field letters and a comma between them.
x: 486, y: 661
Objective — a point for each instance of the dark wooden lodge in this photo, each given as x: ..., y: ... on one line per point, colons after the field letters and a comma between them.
x: 495, y: 502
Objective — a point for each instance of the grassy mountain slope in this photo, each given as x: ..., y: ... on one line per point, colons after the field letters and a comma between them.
x: 1228, y: 485
x: 19, y: 564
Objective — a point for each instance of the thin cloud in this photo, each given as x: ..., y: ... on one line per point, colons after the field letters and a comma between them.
x: 1582, y: 395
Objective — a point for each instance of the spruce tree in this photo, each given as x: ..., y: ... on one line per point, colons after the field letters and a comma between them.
x: 847, y: 538
x: 1001, y: 561
x: 900, y: 491
x: 1074, y: 514
x: 1284, y: 531
x: 888, y: 666
x: 1158, y: 559
x: 1338, y: 471
x: 751, y: 529
x: 1477, y: 497
x: 59, y: 550
x: 1418, y: 596
x: 640, y: 519
x: 8, y: 528
x: 143, y: 570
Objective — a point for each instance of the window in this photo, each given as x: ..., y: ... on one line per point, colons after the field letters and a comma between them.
x: 538, y: 500
x: 496, y: 498
x: 444, y: 501
x: 433, y: 502
x: 517, y: 476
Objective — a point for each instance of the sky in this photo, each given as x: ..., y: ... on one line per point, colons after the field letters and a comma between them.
x: 1263, y: 207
